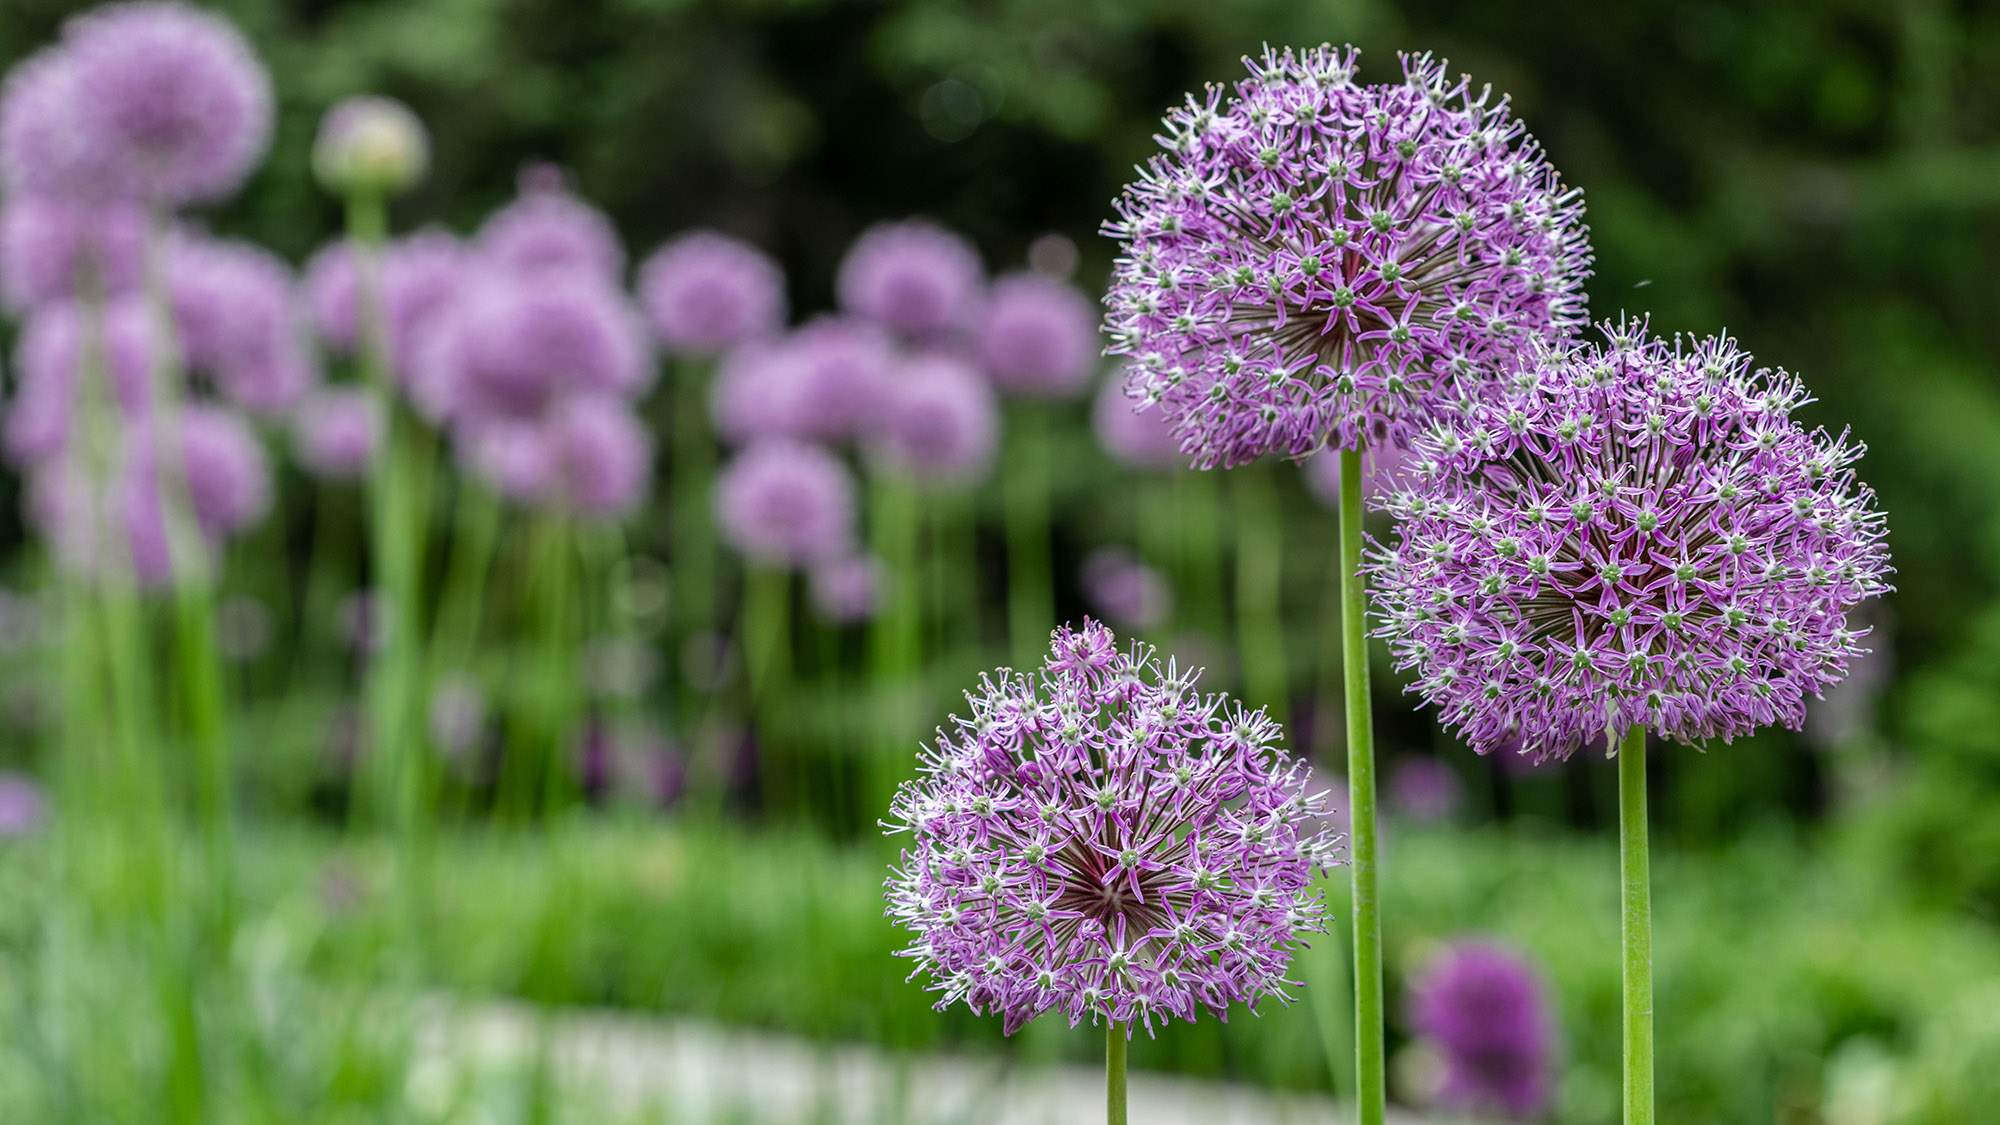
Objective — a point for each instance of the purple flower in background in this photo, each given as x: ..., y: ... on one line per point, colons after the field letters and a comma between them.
x: 826, y: 382
x: 1134, y: 435
x: 915, y: 277
x: 848, y: 590
x: 513, y: 345
x: 1099, y: 839
x: 705, y: 293
x: 174, y: 94
x: 337, y: 433
x: 371, y: 144
x: 48, y: 359
x: 50, y: 249
x: 1125, y: 590
x: 227, y: 475
x: 45, y: 153
x: 421, y: 273
x: 1487, y: 1012
x: 603, y: 457
x: 515, y: 457
x: 1038, y: 337
x: 941, y: 426
x: 1637, y: 534
x: 548, y: 227
x: 23, y: 808
x: 786, y: 504
x: 1426, y: 790
x: 1382, y: 469
x: 1312, y: 260
x: 238, y: 318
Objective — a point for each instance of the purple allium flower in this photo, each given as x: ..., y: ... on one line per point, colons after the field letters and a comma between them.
x: 1637, y: 534
x: 1312, y: 259
x: 337, y: 432
x: 176, y: 93
x: 371, y: 144
x: 1127, y: 591
x: 826, y: 382
x: 1382, y: 469
x: 1101, y: 840
x: 1038, y: 336
x: 1848, y: 707
x: 1488, y: 1013
x: 50, y: 249
x: 44, y: 150
x: 1135, y: 435
x: 1426, y: 790
x: 848, y: 590
x: 603, y: 457
x: 420, y: 275
x: 549, y: 228
x: 238, y: 318
x: 512, y: 345
x: 705, y: 293
x: 48, y: 360
x: 915, y: 277
x: 23, y: 808
x: 227, y: 475
x: 786, y: 503
x: 515, y: 457
x: 942, y: 423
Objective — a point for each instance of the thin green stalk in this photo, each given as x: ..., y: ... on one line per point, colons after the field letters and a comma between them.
x: 1371, y: 1093
x: 1201, y: 564
x: 558, y: 681
x: 1636, y: 908
x: 766, y: 641
x: 1115, y: 1041
x: 695, y: 558
x: 896, y: 637
x: 475, y: 532
x: 1259, y: 582
x: 1024, y: 488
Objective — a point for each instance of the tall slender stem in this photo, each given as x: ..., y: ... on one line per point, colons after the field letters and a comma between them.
x: 1025, y: 500
x: 1371, y: 1095
x: 1115, y: 1039
x: 1636, y: 907
x: 766, y: 640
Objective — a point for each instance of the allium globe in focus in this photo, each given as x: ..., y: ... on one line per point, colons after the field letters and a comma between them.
x: 1313, y: 260
x: 1099, y: 839
x: 705, y: 293
x: 915, y: 277
x: 371, y: 144
x: 1038, y: 337
x: 174, y: 94
x: 1638, y: 534
x: 784, y: 503
x: 1487, y: 1013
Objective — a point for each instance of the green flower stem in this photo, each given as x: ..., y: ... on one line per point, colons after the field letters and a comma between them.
x: 475, y: 533
x: 896, y: 638
x: 1371, y: 1094
x: 1201, y: 562
x: 1115, y: 1041
x: 766, y: 641
x: 1636, y: 908
x: 1259, y: 578
x: 1024, y: 499
x: 696, y: 563
x: 559, y: 708
x: 1157, y: 538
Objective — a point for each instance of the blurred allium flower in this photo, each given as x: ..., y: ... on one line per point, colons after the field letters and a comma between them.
x: 1101, y: 840
x: 175, y: 95
x: 1637, y: 534
x: 336, y: 433
x: 826, y: 382
x: 603, y: 458
x: 1038, y: 337
x: 705, y: 293
x: 223, y: 466
x: 848, y: 590
x: 548, y: 227
x: 363, y: 619
x: 1383, y: 467
x: 1488, y: 1013
x: 23, y: 808
x: 50, y: 249
x: 914, y: 276
x: 48, y: 365
x: 1134, y: 435
x: 512, y: 346
x: 371, y: 144
x: 1125, y: 590
x: 1312, y: 259
x: 44, y: 151
x: 238, y: 318
x: 421, y: 273
x: 457, y: 714
x: 1425, y: 790
x: 942, y: 423
x: 785, y: 503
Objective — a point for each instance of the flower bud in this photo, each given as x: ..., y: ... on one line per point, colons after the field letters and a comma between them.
x: 371, y: 144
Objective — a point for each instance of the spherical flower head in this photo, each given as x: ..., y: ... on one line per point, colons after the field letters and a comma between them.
x: 603, y: 458
x: 175, y: 93
x: 705, y: 293
x: 1486, y: 1011
x: 420, y: 275
x: 511, y: 345
x: 1382, y: 467
x: 1101, y: 840
x: 1124, y: 589
x: 23, y: 808
x: 1038, y: 337
x: 337, y: 432
x: 1313, y: 261
x: 915, y: 277
x: 1637, y: 534
x: 1134, y: 434
x: 548, y: 227
x: 48, y: 369
x: 239, y: 320
x: 782, y: 503
x: 45, y: 152
x: 55, y: 250
x: 941, y: 427
x: 826, y: 382
x: 848, y: 590
x: 372, y: 145
x: 227, y: 475
x: 1426, y: 790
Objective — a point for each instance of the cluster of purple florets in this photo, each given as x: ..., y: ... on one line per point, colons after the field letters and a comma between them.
x: 1486, y: 1012
x: 1103, y: 841
x: 1315, y: 261
x: 1633, y: 533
